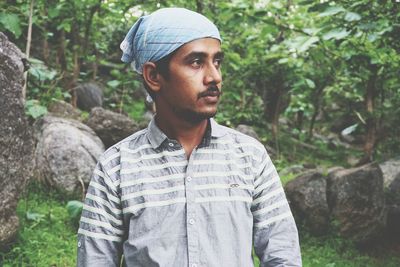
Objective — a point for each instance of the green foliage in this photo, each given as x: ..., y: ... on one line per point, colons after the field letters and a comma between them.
x: 10, y: 22
x: 296, y: 59
x: 331, y: 250
x: 44, y: 87
x: 74, y: 208
x: 46, y: 236
x: 34, y: 109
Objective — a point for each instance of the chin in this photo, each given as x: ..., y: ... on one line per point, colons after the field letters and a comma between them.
x: 196, y: 117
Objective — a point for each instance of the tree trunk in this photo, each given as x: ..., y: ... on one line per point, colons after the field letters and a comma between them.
x: 370, y: 127
x: 28, y: 48
x: 60, y: 59
x: 317, y: 106
x: 199, y: 6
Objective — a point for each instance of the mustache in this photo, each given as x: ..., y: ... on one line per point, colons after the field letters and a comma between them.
x: 213, y: 90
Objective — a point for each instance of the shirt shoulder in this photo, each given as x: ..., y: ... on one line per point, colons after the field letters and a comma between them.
x: 243, y: 140
x: 111, y: 157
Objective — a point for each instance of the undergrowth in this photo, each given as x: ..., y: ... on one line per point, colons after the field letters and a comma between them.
x: 47, y: 237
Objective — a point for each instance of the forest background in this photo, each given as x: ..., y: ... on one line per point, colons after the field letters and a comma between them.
x: 301, y: 72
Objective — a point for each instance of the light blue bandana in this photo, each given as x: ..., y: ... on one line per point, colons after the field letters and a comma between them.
x: 157, y: 35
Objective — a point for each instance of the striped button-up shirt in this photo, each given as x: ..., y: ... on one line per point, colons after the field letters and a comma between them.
x: 149, y: 202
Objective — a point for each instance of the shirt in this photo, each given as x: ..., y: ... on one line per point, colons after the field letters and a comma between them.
x: 147, y: 201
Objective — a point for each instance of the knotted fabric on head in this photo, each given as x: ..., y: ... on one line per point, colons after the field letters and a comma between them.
x: 157, y: 35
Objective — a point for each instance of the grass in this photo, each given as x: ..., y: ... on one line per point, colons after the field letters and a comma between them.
x: 48, y: 238
x: 47, y: 234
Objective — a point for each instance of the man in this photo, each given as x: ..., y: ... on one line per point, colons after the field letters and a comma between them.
x: 185, y: 191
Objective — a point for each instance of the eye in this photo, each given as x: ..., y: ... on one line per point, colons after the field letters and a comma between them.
x: 218, y: 62
x: 197, y: 62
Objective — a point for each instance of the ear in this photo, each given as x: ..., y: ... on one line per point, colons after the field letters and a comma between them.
x: 151, y: 76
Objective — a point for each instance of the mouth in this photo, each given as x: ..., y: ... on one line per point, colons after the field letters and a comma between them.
x: 210, y: 96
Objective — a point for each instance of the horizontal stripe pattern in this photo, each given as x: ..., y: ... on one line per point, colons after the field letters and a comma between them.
x: 146, y: 182
x: 100, y: 235
x: 105, y: 225
x: 273, y: 219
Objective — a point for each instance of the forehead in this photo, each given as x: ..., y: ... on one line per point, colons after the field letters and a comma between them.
x: 207, y: 46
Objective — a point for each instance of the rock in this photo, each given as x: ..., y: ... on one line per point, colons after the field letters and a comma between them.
x: 62, y: 109
x: 294, y: 169
x: 334, y: 169
x: 393, y: 206
x: 248, y: 130
x: 89, y: 95
x: 352, y: 160
x: 16, y: 142
x: 343, y: 121
x: 390, y: 170
x: 308, y: 202
x: 66, y: 153
x: 357, y: 203
x: 111, y: 127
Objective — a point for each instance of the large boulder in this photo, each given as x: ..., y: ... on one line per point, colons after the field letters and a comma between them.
x: 393, y: 206
x: 248, y: 130
x: 307, y: 198
x: 357, y: 202
x: 391, y: 183
x: 111, y: 127
x: 66, y: 153
x: 63, y: 109
x: 390, y: 170
x: 16, y: 138
x: 89, y: 95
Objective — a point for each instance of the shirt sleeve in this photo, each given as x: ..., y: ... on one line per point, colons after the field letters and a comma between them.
x: 275, y: 235
x: 101, y: 233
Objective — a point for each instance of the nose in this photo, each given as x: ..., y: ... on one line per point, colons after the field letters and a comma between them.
x: 212, y: 75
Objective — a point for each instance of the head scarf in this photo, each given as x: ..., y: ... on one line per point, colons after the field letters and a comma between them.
x: 159, y: 34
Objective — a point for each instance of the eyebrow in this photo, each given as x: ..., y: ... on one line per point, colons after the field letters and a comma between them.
x: 195, y: 54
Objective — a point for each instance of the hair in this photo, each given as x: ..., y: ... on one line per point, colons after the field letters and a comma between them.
x: 162, y: 67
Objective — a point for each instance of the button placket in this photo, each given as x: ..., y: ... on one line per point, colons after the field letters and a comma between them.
x: 192, y: 233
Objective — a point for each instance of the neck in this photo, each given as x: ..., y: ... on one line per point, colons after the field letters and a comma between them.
x: 188, y: 134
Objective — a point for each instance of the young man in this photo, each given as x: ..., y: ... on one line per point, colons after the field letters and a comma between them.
x: 185, y: 191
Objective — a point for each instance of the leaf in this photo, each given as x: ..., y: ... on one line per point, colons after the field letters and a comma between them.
x: 304, y: 46
x: 337, y: 34
x: 74, y: 208
x: 113, y: 83
x: 33, y: 216
x: 331, y: 11
x: 351, y: 16
x: 349, y: 129
x: 53, y: 12
x: 36, y: 111
x: 40, y: 71
x: 11, y: 23
x: 302, y: 43
x: 283, y: 60
x: 310, y: 83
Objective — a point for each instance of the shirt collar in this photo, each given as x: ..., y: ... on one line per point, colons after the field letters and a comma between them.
x: 156, y: 137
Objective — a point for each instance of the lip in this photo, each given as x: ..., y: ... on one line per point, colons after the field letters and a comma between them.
x: 211, y: 98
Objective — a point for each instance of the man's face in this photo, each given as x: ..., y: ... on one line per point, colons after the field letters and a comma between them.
x: 192, y: 90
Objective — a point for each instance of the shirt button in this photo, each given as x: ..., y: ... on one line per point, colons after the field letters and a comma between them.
x: 188, y: 178
x: 194, y: 265
x: 171, y: 144
x: 191, y: 221
x: 79, y: 244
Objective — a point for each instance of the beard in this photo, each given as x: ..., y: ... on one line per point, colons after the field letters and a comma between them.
x: 194, y: 117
